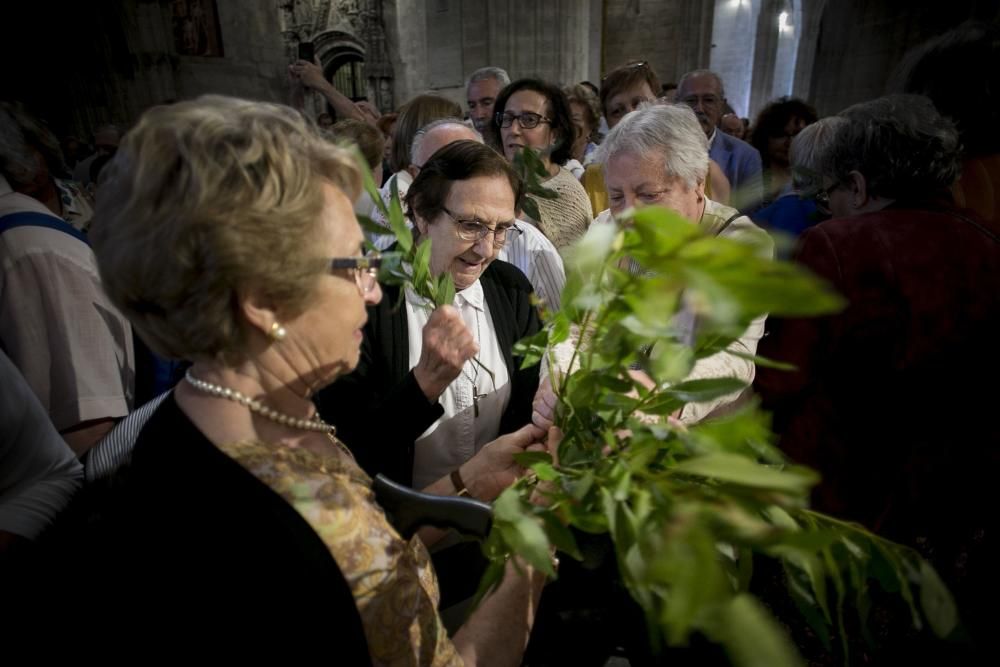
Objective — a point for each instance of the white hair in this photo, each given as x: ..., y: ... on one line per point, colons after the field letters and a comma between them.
x: 420, y: 136
x: 808, y: 150
x: 484, y: 73
x: 702, y: 72
x: 668, y: 130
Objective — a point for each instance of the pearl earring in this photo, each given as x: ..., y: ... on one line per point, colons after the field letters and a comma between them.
x: 277, y: 332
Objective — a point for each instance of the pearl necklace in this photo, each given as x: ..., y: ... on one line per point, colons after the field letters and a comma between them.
x: 314, y: 424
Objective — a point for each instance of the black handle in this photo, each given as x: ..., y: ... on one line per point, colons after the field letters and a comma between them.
x: 408, y: 510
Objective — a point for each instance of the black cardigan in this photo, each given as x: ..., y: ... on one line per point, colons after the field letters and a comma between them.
x: 379, y: 409
x: 186, y: 548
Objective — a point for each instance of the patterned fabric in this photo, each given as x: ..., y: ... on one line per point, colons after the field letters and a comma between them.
x: 115, y: 449
x: 77, y: 206
x: 392, y: 581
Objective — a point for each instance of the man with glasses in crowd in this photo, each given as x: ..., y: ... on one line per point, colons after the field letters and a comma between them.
x: 702, y: 90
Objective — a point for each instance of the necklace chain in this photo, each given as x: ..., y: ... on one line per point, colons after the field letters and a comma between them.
x: 474, y: 379
x: 314, y: 424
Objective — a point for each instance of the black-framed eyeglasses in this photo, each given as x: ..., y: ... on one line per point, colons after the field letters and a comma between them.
x: 526, y: 120
x: 473, y: 230
x: 365, y: 270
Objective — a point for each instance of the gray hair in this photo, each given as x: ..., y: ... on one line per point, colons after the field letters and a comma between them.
x: 418, y: 138
x: 484, y: 73
x: 809, y: 147
x: 669, y: 130
x: 702, y: 72
x: 900, y: 143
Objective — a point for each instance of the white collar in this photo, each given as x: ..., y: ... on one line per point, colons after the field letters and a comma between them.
x: 711, y: 139
x: 5, y: 188
x: 471, y: 296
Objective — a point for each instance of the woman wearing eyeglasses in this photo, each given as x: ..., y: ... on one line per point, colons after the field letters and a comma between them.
x: 226, y: 234
x: 423, y: 401
x: 535, y: 114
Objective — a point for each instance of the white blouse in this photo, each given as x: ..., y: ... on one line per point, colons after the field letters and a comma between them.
x: 459, y: 433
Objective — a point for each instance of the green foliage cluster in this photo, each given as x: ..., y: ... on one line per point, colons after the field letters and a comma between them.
x: 685, y: 508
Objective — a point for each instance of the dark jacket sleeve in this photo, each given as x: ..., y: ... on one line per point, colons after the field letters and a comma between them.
x: 518, y: 318
x: 379, y: 409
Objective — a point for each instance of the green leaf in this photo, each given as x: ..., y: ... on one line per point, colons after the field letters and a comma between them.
x: 522, y: 531
x: 530, y: 208
x: 397, y: 222
x: 559, y: 330
x: 936, y: 602
x: 561, y: 536
x: 422, y: 270
x: 368, y: 182
x: 371, y: 227
x: 751, y: 636
x: 446, y: 288
x: 526, y: 459
x: 697, y: 391
x: 744, y: 472
x: 532, y: 349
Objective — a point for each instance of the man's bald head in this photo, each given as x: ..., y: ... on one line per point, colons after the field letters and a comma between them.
x: 435, y: 136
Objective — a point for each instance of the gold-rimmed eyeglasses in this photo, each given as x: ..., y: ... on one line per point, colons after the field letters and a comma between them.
x: 473, y: 230
x: 365, y: 270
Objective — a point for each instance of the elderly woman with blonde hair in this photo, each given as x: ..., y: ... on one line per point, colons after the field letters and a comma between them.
x: 226, y: 234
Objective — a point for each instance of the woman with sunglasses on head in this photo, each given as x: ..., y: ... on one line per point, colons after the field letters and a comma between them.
x: 226, y: 234
x: 534, y: 114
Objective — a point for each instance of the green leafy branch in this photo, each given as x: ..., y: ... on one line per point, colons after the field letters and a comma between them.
x: 688, y: 508
x: 410, y: 265
x: 527, y: 163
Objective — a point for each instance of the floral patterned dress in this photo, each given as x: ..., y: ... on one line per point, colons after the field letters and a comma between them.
x: 392, y: 580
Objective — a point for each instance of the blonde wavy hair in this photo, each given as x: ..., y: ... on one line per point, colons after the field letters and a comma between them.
x: 204, y: 200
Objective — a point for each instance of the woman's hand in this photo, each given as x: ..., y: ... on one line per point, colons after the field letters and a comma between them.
x: 310, y: 74
x: 493, y: 469
x: 543, y: 408
x: 447, y: 346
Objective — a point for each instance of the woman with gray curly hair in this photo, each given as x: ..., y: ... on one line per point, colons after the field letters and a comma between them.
x: 227, y: 236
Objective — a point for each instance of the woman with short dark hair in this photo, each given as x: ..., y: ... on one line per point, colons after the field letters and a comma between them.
x: 535, y: 114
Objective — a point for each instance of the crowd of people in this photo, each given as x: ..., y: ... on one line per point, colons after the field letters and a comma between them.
x: 196, y: 351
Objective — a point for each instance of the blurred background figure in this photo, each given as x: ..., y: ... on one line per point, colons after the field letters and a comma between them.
x: 57, y: 324
x: 775, y: 127
x: 703, y: 91
x: 796, y: 210
x: 733, y: 125
x: 106, y: 140
x: 922, y: 314
x: 482, y: 89
x: 370, y: 143
x: 585, y: 111
x: 960, y: 72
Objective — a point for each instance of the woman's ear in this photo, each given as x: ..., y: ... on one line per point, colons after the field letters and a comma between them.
x: 420, y: 224
x: 859, y: 189
x: 258, y: 310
